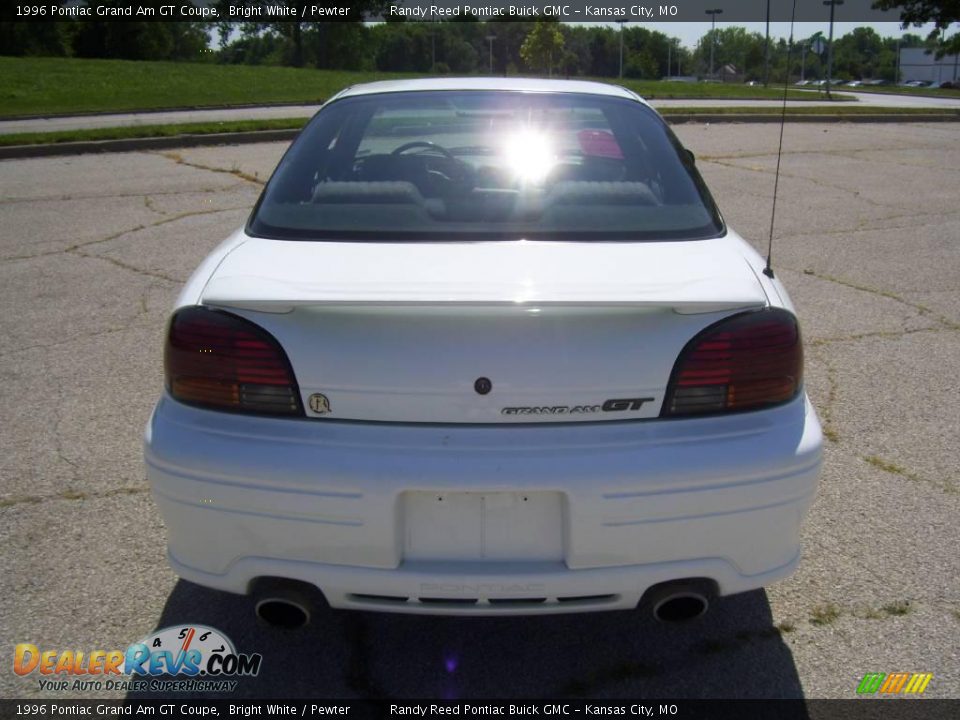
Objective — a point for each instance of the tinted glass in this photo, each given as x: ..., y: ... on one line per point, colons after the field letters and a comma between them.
x: 441, y: 165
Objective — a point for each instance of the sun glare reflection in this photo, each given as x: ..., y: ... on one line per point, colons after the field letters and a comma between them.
x: 530, y: 154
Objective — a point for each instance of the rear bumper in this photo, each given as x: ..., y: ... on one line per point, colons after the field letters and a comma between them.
x: 329, y: 503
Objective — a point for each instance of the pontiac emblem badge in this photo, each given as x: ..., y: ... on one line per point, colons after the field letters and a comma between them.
x: 319, y: 404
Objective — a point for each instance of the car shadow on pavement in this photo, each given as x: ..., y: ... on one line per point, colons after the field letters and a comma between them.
x: 733, y: 651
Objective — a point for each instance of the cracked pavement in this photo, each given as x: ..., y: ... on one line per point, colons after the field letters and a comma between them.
x: 93, y: 250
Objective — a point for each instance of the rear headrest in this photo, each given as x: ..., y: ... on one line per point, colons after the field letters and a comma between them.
x: 581, y: 192
x: 394, y: 192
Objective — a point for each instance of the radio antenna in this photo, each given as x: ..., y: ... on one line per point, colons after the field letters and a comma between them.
x: 768, y: 270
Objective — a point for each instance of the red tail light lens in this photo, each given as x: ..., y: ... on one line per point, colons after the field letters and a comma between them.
x: 217, y: 360
x: 744, y: 362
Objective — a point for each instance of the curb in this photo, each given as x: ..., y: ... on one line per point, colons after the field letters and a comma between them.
x: 680, y: 118
x: 320, y: 101
x: 13, y: 152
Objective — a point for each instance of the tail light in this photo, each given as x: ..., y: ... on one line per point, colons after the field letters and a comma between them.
x: 744, y: 362
x: 217, y: 360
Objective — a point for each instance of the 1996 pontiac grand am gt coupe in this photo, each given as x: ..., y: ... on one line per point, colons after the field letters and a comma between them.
x: 484, y: 346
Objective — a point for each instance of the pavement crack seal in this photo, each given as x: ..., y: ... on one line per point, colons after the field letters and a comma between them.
x: 922, y: 309
x: 235, y: 171
x: 884, y: 224
x: 129, y: 231
x: 894, y: 469
x: 77, y: 338
x: 148, y: 204
x: 108, y: 196
x: 814, y: 181
x: 69, y: 494
x: 885, y: 334
x: 826, y: 409
x: 126, y: 266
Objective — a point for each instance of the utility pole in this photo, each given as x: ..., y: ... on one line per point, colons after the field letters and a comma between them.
x: 766, y: 51
x: 833, y: 4
x: 669, y: 48
x: 621, y: 22
x: 896, y: 77
x: 713, y: 33
x: 490, y: 39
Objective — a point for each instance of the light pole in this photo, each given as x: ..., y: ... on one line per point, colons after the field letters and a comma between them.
x: 490, y: 39
x: 832, y: 4
x: 766, y: 51
x: 896, y: 78
x: 713, y: 33
x: 621, y: 21
x: 669, y: 49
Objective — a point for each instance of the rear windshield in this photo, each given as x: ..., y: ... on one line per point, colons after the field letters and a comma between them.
x: 442, y: 165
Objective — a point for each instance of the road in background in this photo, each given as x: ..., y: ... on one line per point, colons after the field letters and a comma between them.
x: 82, y: 122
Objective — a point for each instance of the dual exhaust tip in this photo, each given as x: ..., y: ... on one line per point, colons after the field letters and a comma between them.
x: 679, y: 601
x: 288, y: 604
x: 284, y: 604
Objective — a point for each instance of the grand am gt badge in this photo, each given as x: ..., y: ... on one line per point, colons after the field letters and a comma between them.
x: 319, y: 403
x: 614, y: 405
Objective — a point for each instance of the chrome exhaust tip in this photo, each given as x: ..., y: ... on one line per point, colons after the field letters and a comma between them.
x: 285, y: 604
x: 681, y: 607
x: 679, y: 601
x: 282, y: 613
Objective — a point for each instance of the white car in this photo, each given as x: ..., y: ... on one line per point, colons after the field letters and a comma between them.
x: 485, y: 346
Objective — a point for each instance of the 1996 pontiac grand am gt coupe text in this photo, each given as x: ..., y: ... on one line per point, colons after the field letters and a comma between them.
x: 485, y: 346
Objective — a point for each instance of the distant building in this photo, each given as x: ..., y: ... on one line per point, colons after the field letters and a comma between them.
x: 918, y: 64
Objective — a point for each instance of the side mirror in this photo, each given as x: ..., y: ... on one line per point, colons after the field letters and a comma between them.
x: 691, y: 158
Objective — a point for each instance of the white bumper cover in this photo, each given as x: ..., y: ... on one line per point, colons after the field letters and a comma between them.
x: 538, y: 519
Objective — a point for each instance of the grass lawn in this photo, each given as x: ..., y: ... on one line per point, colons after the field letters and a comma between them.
x: 40, y: 86
x: 142, y: 131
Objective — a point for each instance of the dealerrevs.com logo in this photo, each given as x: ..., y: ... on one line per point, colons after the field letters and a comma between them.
x: 182, y: 658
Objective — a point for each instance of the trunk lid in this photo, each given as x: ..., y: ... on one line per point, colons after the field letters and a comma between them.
x: 408, y: 332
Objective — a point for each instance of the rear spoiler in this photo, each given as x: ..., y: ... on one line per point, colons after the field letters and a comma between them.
x: 261, y: 294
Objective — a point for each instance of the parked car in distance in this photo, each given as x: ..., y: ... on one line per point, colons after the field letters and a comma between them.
x: 484, y: 346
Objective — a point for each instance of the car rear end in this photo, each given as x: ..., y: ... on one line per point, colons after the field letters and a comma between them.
x: 484, y: 426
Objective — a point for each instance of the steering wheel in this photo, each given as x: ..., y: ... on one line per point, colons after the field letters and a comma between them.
x: 457, y: 174
x: 426, y: 144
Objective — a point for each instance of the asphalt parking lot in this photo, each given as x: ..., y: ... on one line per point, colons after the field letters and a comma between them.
x: 93, y: 250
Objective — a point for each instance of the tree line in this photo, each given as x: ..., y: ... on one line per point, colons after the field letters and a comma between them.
x: 462, y: 46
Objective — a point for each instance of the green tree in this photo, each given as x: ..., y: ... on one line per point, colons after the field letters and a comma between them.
x: 734, y: 46
x: 543, y: 46
x: 37, y: 38
x: 858, y: 54
x: 942, y: 13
